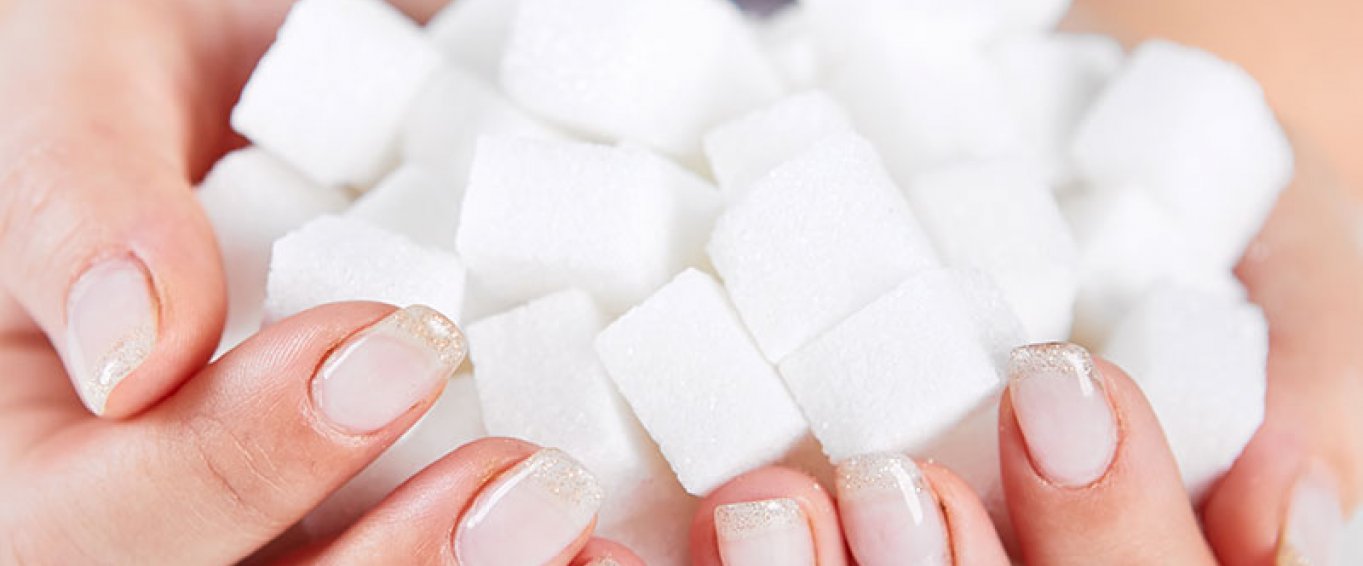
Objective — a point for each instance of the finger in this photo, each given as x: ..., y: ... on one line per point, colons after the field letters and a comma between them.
x: 602, y: 552
x: 494, y: 501
x: 245, y: 449
x: 1087, y: 474
x: 973, y: 538
x: 1306, y: 461
x: 31, y: 408
x: 101, y: 239
x: 773, y: 515
x: 894, y: 512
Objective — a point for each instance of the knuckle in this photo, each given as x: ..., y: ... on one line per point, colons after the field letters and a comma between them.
x: 32, y: 213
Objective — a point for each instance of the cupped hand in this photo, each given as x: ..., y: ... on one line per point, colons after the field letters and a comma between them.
x: 1088, y: 475
x: 112, y: 283
x: 112, y: 278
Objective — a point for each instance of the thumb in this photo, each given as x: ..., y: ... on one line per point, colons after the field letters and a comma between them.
x: 101, y: 239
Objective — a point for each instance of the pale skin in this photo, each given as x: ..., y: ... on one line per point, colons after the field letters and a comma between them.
x: 112, y: 109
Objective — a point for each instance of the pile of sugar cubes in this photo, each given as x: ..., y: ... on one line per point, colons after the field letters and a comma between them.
x: 685, y: 242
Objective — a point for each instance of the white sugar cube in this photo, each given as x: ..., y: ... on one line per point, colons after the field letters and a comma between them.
x: 847, y: 25
x: 699, y: 385
x: 1052, y: 80
x: 330, y: 94
x: 657, y: 72
x: 1197, y: 133
x: 1022, y: 16
x: 413, y: 202
x: 454, y: 420
x: 896, y: 374
x: 848, y: 28
x: 539, y: 379
x: 252, y: 199
x: 540, y: 216
x: 441, y: 131
x: 817, y: 238
x: 744, y: 149
x: 1201, y: 361
x: 698, y: 206
x: 1127, y: 245
x: 971, y: 451
x: 656, y: 524
x: 472, y: 34
x: 924, y: 105
x: 1001, y: 218
x: 789, y: 40
x: 334, y: 259
x: 1000, y: 330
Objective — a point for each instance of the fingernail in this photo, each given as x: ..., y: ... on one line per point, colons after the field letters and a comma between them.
x: 1313, y: 524
x: 386, y: 369
x: 889, y: 512
x: 759, y: 533
x: 530, y: 514
x: 111, y: 326
x: 605, y: 561
x: 1062, y: 409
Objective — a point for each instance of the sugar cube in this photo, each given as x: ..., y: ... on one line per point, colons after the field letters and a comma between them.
x: 971, y: 23
x: 454, y: 420
x: 1023, y: 16
x: 699, y: 385
x: 897, y: 373
x: 924, y: 105
x: 847, y: 29
x: 971, y: 451
x: 656, y: 72
x: 330, y: 94
x: 1201, y: 361
x: 1000, y: 330
x: 415, y: 203
x: 744, y: 149
x: 252, y: 198
x: 456, y: 108
x: 1052, y: 80
x: 698, y: 205
x: 538, y: 374
x: 1196, y: 132
x: 1127, y: 244
x: 540, y: 380
x: 472, y: 34
x: 604, y: 219
x: 819, y: 237
x: 333, y: 259
x: 1001, y: 218
x: 788, y: 38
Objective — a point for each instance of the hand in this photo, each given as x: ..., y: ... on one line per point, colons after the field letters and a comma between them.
x: 110, y: 275
x: 1092, y: 481
x: 1305, y: 269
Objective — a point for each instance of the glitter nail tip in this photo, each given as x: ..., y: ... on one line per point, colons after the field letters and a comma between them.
x: 1061, y: 406
x: 890, y: 513
x: 773, y: 531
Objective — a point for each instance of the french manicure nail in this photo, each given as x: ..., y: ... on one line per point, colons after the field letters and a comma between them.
x: 386, y: 369
x: 111, y: 327
x: 1062, y: 409
x: 530, y: 514
x: 760, y: 533
x: 889, y: 512
x: 1313, y: 524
